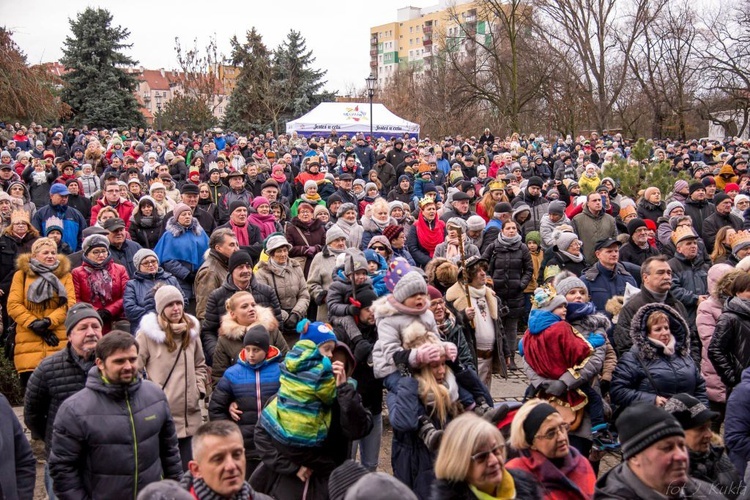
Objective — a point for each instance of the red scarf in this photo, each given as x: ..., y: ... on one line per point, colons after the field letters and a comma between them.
x: 574, y: 479
x: 266, y: 223
x: 243, y: 239
x: 429, y: 238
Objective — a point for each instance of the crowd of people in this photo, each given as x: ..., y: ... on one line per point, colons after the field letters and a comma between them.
x: 222, y: 316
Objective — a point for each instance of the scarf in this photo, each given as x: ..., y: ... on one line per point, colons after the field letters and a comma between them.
x: 243, y: 239
x: 668, y: 348
x: 279, y: 177
x: 429, y: 238
x: 447, y: 325
x: 504, y: 491
x: 278, y: 266
x: 47, y: 285
x: 574, y: 258
x: 314, y: 199
x: 266, y: 223
x: 199, y: 489
x: 578, y: 310
x: 380, y: 225
x: 506, y: 242
x: 100, y: 281
x: 411, y: 311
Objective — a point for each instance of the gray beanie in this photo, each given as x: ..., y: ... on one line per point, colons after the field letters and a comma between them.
x: 457, y: 222
x: 475, y: 223
x: 371, y: 185
x: 354, y: 260
x: 557, y: 207
x: 395, y: 204
x: 345, y: 207
x: 379, y: 486
x: 335, y: 232
x: 671, y: 206
x: 410, y: 284
x: 564, y: 239
x: 93, y: 241
x: 546, y: 300
x: 311, y: 184
x: 142, y: 254
x: 79, y: 312
x: 166, y: 295
x: 569, y: 284
x: 166, y: 489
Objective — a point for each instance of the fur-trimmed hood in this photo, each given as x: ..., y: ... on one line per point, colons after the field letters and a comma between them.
x: 232, y: 330
x: 416, y: 335
x: 677, y: 326
x: 441, y: 270
x: 178, y: 230
x: 383, y: 309
x: 24, y: 264
x: 150, y: 327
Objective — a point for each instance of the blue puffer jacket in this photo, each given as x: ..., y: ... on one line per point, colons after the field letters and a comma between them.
x: 138, y: 299
x: 604, y: 284
x: 244, y: 383
x: 671, y: 374
x: 73, y: 223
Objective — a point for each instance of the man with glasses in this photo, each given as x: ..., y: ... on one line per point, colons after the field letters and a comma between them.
x: 112, y: 198
x: 723, y: 216
x: 638, y: 248
x: 656, y: 283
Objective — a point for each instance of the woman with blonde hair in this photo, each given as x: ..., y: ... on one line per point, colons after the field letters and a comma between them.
x: 376, y: 221
x: 171, y: 352
x: 722, y: 248
x: 540, y: 435
x: 471, y: 464
x: 40, y: 295
x: 105, y: 214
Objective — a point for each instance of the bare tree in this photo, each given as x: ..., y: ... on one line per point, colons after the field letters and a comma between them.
x: 725, y: 68
x: 198, y: 79
x: 595, y: 37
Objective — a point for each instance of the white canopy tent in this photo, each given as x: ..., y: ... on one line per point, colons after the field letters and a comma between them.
x: 351, y: 118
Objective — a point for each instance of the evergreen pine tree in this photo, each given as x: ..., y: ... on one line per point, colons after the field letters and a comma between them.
x: 98, y: 89
x: 245, y: 110
x: 638, y: 173
x: 302, y: 85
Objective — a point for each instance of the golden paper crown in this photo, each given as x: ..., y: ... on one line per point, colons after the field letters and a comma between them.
x: 495, y: 186
x: 20, y: 216
x: 739, y: 238
x: 682, y: 233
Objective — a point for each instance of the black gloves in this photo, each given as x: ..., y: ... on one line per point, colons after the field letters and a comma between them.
x: 320, y: 299
x: 190, y: 278
x: 291, y: 322
x: 105, y: 315
x: 555, y: 388
x: 50, y: 338
x: 604, y: 387
x: 39, y: 326
x: 352, y: 310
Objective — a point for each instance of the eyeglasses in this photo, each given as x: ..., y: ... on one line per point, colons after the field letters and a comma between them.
x: 204, y: 192
x: 481, y: 457
x: 552, y: 433
x: 100, y: 251
x: 149, y: 263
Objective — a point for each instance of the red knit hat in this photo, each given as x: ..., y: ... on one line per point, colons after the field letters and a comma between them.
x: 650, y: 224
x: 434, y: 292
x: 392, y: 232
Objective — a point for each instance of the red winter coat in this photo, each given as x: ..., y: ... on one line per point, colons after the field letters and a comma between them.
x: 124, y: 209
x: 82, y: 283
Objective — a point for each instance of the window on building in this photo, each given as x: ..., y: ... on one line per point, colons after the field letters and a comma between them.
x: 411, y: 29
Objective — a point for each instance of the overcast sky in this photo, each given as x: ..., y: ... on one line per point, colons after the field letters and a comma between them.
x: 336, y: 32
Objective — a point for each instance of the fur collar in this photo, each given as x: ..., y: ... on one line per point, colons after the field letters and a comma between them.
x: 677, y: 327
x: 369, y: 225
x: 234, y: 331
x: 150, y: 327
x: 24, y: 260
x: 178, y: 230
x: 457, y: 295
x: 383, y: 309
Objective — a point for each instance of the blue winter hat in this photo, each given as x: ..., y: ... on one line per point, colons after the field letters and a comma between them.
x: 317, y: 332
x: 371, y: 256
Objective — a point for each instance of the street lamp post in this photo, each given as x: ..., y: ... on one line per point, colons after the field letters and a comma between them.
x: 158, y: 114
x: 371, y: 81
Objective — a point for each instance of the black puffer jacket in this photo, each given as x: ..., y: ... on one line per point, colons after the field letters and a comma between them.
x: 699, y: 211
x: 511, y: 269
x: 715, y: 222
x: 729, y: 350
x: 715, y: 467
x: 647, y: 210
x: 689, y: 281
x: 526, y: 488
x: 55, y: 379
x: 103, y: 421
x: 264, y: 295
x: 146, y: 234
x: 670, y: 374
